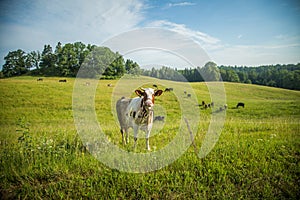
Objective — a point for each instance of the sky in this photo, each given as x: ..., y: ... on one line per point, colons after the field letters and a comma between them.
x: 235, y: 32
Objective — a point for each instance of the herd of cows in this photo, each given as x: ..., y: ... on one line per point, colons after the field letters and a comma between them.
x: 138, y: 113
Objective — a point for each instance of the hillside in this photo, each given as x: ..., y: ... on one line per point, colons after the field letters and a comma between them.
x: 42, y: 156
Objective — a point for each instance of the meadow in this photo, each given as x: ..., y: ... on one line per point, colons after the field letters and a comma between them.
x: 42, y: 156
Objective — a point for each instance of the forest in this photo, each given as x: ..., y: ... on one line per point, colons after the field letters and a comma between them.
x: 282, y: 76
x: 66, y: 60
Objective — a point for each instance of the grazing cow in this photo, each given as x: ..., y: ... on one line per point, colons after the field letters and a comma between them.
x: 168, y: 89
x: 109, y: 85
x: 223, y: 108
x: 159, y: 118
x: 203, y: 103
x: 63, y: 80
x: 155, y: 86
x: 39, y: 79
x: 240, y: 104
x: 137, y: 113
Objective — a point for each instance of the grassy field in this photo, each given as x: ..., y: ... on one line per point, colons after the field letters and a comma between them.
x: 42, y: 157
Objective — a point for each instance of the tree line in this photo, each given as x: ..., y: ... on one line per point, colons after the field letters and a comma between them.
x: 66, y: 60
x: 282, y: 76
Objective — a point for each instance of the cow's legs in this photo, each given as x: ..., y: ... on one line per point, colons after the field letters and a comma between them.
x: 127, y: 136
x: 122, y: 132
x: 147, y: 140
x: 135, y: 130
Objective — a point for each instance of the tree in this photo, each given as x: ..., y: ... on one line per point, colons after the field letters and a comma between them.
x: 48, y: 62
x: 16, y: 64
x: 232, y: 76
x: 97, y: 62
x: 210, y: 72
x: 34, y: 58
x: 132, y: 67
x: 69, y: 64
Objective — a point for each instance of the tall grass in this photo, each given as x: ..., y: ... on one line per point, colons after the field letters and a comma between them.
x: 42, y: 157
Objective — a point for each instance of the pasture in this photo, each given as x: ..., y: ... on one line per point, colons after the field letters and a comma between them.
x: 42, y: 157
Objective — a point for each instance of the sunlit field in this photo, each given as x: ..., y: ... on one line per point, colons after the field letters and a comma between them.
x: 42, y: 156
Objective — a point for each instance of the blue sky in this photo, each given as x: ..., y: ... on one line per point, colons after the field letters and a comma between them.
x: 236, y: 32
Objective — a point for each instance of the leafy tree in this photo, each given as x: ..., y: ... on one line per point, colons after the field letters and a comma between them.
x: 97, y: 62
x: 48, y: 62
x: 132, y: 67
x: 16, y: 64
x: 119, y: 66
x: 232, y: 76
x: 210, y: 72
x: 33, y: 59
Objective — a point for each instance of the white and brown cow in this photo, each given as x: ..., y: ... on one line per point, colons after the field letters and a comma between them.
x: 137, y: 113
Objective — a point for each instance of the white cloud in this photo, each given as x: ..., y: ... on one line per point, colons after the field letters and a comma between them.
x: 36, y: 23
x: 205, y: 40
x: 181, y: 4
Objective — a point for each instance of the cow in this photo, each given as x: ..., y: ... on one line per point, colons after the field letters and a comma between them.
x: 225, y: 106
x: 39, y: 79
x: 137, y: 113
x: 240, y: 104
x: 168, y: 89
x: 63, y: 80
x: 189, y: 95
x: 159, y: 118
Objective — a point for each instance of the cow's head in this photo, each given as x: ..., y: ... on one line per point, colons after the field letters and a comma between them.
x: 148, y: 95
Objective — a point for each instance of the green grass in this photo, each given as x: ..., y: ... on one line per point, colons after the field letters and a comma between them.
x: 42, y: 157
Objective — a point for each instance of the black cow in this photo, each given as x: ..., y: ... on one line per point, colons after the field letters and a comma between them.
x: 63, y: 80
x: 159, y: 118
x: 240, y: 104
x: 168, y: 89
x: 39, y: 79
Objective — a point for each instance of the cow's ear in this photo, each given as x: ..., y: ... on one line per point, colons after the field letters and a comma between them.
x: 158, y: 93
x: 139, y: 93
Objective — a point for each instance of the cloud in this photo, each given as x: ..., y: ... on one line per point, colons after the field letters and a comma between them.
x: 204, y: 40
x: 180, y: 4
x: 30, y: 25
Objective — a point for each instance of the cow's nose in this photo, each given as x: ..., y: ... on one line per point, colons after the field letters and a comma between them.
x: 148, y: 103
